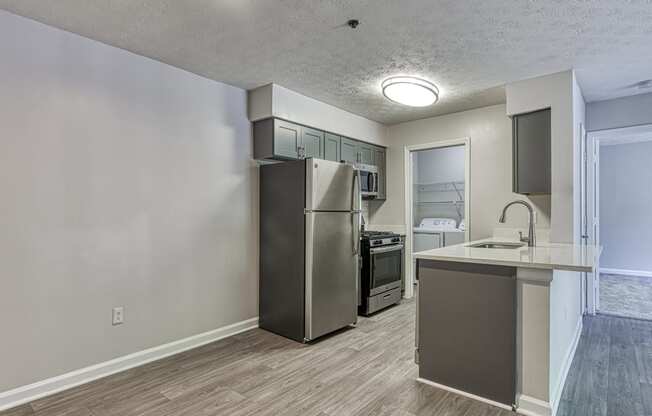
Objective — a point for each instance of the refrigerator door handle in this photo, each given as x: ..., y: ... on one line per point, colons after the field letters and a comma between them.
x: 355, y: 212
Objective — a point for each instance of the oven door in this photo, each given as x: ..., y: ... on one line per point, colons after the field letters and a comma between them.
x: 386, y: 268
x: 368, y: 183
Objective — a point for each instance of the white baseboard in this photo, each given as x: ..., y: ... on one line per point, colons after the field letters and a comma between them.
x: 565, y: 367
x: 34, y: 391
x: 463, y: 393
x: 530, y: 406
x: 625, y: 272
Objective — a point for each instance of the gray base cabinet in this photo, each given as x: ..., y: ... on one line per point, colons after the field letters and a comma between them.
x: 466, y: 327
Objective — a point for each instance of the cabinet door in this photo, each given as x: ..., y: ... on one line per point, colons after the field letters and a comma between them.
x: 467, y: 329
x: 332, y: 147
x: 531, y: 152
x: 312, y: 142
x: 366, y: 153
x: 380, y: 162
x: 287, y: 139
x: 349, y: 150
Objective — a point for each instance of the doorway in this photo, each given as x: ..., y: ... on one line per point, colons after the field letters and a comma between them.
x: 436, y: 198
x: 620, y: 198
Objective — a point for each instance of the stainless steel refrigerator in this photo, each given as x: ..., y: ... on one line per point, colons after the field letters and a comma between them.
x: 309, y: 242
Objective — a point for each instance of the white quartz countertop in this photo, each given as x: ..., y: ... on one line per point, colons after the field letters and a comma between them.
x: 551, y: 256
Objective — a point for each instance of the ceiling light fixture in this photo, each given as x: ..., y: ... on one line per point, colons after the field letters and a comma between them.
x: 412, y: 91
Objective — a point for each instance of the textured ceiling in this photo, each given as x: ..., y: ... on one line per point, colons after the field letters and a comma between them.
x: 468, y: 48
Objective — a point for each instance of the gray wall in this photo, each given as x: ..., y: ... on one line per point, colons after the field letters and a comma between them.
x: 491, y: 168
x: 625, y: 201
x: 123, y: 181
x: 442, y: 164
x: 620, y: 112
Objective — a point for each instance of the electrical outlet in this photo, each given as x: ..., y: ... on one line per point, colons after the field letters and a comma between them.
x: 118, y: 315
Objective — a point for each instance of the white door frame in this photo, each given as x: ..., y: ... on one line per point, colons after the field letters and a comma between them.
x: 407, y: 167
x: 595, y: 140
x: 584, y: 213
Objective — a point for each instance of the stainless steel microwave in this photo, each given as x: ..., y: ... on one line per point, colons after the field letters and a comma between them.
x: 368, y: 180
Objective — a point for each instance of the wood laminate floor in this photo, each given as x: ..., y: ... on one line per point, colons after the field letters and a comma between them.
x: 367, y: 370
x: 611, y: 373
x: 626, y: 296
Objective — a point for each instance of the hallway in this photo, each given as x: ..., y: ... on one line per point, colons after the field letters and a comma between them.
x: 626, y: 296
x: 611, y: 373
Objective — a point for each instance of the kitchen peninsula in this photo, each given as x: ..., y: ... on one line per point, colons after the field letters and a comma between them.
x: 499, y: 321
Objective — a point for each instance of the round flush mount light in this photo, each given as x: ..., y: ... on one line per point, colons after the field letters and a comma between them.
x: 412, y: 91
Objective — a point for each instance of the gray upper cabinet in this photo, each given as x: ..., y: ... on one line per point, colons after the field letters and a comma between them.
x: 282, y: 140
x: 354, y: 151
x: 276, y: 139
x: 279, y: 139
x: 366, y: 153
x: 531, y: 152
x: 349, y: 150
x: 332, y: 147
x: 312, y: 143
x: 287, y: 137
x: 380, y: 161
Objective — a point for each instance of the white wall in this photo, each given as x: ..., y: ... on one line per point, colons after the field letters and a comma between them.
x: 491, y: 168
x: 561, y: 93
x: 566, y: 288
x: 555, y: 92
x: 620, y: 112
x: 123, y: 182
x: 273, y: 100
x: 625, y: 201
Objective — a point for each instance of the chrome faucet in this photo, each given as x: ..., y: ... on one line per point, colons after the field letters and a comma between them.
x: 531, y: 235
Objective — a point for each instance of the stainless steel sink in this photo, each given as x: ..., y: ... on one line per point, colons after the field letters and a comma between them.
x: 496, y: 244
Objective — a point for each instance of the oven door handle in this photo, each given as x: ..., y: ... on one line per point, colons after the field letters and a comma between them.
x: 378, y: 250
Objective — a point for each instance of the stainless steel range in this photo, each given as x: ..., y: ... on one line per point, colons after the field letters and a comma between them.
x: 382, y: 270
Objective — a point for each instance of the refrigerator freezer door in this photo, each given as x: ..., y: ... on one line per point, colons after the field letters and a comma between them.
x: 330, y: 186
x: 331, y: 272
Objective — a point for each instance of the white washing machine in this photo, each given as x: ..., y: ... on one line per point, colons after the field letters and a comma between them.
x: 435, y: 233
